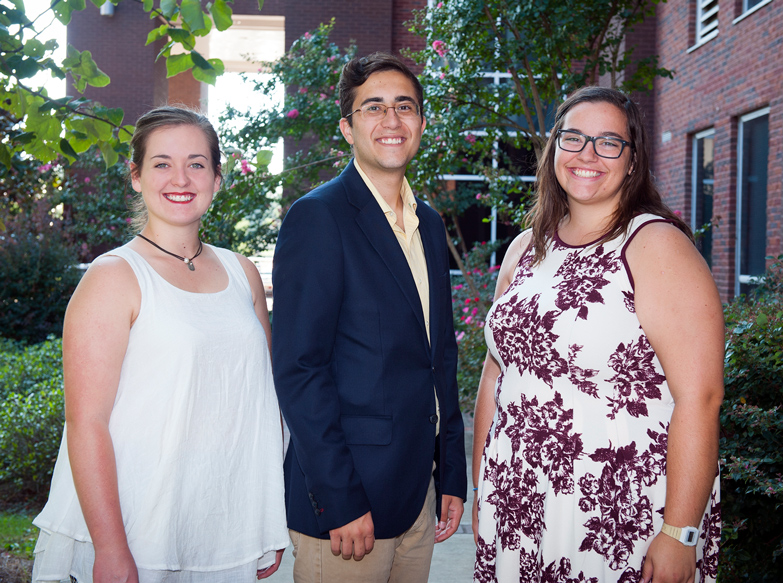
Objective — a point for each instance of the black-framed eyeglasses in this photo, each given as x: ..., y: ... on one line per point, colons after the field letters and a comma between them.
x: 604, y: 146
x: 404, y: 110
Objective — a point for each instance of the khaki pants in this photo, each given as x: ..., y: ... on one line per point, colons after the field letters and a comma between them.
x: 404, y: 559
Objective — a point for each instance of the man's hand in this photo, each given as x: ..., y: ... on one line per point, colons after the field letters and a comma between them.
x: 264, y: 573
x: 355, y: 539
x: 669, y: 561
x: 450, y: 514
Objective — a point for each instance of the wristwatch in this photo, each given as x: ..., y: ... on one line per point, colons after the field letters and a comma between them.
x: 687, y: 535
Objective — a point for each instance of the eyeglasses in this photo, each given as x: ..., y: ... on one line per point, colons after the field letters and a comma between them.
x: 604, y: 146
x: 404, y: 110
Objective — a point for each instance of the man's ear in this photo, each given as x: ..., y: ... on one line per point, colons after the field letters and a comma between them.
x: 423, y: 123
x: 347, y: 130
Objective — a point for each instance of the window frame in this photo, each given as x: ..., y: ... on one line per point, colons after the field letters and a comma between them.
x: 740, y: 278
x: 695, y: 190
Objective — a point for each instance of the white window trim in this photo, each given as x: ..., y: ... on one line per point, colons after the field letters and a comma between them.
x: 742, y: 278
x: 709, y: 133
x: 712, y: 29
x: 750, y: 11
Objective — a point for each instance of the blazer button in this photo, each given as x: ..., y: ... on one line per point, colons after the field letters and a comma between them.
x: 433, y: 419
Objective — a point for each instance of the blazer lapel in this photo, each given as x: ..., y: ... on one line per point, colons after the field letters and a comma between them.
x: 375, y: 227
x: 429, y: 234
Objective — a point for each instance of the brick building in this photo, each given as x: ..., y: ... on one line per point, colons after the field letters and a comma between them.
x: 716, y: 127
x: 138, y: 83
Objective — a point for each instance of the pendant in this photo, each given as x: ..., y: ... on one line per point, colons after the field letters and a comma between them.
x: 190, y: 265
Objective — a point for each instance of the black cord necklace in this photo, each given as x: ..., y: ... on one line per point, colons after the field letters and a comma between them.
x: 188, y: 262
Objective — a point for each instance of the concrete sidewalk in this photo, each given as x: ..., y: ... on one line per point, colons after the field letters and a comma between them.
x: 452, y: 560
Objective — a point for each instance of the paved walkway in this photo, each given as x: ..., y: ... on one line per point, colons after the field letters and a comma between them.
x: 452, y: 561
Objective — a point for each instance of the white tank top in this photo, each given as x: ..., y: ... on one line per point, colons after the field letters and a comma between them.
x: 196, y: 431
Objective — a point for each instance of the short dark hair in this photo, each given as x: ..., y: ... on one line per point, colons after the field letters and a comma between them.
x: 168, y: 115
x: 356, y: 72
x: 639, y: 192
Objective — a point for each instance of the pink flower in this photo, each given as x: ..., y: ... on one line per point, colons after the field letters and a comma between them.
x: 440, y: 47
x: 87, y: 179
x: 470, y: 138
x: 246, y: 169
x: 337, y: 102
x: 478, y: 196
x: 44, y: 167
x: 460, y: 336
x: 128, y: 221
x: 443, y: 75
x: 469, y: 319
x: 323, y: 96
x: 308, y: 36
x: 465, y: 310
x: 440, y: 5
x: 458, y: 286
x: 331, y: 59
x: 303, y: 90
x: 678, y: 213
x: 293, y: 114
x: 474, y: 312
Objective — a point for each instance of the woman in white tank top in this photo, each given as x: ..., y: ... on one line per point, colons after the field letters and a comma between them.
x: 170, y: 467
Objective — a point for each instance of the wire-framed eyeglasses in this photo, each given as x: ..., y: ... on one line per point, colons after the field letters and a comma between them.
x: 604, y: 146
x: 404, y: 110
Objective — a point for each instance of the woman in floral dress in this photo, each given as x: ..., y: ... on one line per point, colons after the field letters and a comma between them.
x: 596, y: 424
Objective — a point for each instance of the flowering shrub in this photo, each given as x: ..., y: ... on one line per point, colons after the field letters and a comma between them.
x: 470, y: 303
x: 752, y: 436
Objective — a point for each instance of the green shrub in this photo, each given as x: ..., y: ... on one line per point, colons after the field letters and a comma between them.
x: 470, y: 311
x: 752, y: 436
x: 38, y: 271
x: 30, y: 432
x: 24, y: 369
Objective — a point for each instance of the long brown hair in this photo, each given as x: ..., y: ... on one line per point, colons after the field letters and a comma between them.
x: 638, y: 194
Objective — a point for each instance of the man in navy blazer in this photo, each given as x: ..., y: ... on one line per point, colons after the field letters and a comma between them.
x: 364, y: 351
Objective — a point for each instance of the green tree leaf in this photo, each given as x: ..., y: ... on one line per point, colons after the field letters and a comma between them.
x: 222, y: 14
x: 192, y: 14
x: 176, y: 64
x: 264, y: 158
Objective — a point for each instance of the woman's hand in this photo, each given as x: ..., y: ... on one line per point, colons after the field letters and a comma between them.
x: 114, y: 566
x: 669, y: 561
x: 264, y: 573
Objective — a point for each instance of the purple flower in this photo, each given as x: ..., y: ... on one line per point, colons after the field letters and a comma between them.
x: 440, y: 47
x: 293, y: 114
x: 470, y: 138
x: 87, y: 179
x: 303, y: 90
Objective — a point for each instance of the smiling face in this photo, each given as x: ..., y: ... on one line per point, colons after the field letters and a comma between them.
x: 587, y: 178
x: 176, y: 177
x: 384, y: 145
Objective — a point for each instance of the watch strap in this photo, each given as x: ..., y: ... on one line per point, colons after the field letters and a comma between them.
x: 687, y: 535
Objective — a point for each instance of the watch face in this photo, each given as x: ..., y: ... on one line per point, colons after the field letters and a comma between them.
x: 690, y: 537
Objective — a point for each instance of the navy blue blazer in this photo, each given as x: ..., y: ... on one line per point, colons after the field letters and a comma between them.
x: 353, y: 368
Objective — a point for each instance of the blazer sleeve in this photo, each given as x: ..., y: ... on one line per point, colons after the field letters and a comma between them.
x: 308, y: 291
x: 454, y: 481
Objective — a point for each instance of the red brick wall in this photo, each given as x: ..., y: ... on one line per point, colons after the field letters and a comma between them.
x: 117, y: 46
x: 739, y: 71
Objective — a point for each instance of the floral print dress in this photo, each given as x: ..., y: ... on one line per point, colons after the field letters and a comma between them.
x: 573, y: 476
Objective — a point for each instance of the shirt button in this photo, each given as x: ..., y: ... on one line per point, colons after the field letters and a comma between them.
x: 433, y: 419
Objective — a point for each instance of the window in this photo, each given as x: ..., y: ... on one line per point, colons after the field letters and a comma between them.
x: 702, y: 180
x: 748, y: 4
x: 752, y: 155
x: 706, y: 20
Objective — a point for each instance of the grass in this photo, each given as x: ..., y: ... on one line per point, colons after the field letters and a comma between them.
x: 17, y: 534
